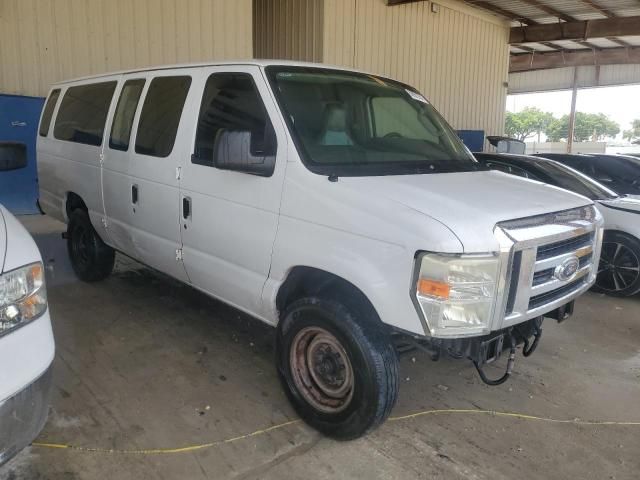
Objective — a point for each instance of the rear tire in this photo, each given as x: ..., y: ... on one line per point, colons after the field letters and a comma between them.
x: 619, y: 269
x: 337, y: 365
x: 92, y: 259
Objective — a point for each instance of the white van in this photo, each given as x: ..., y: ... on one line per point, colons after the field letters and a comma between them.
x: 26, y: 339
x: 335, y: 205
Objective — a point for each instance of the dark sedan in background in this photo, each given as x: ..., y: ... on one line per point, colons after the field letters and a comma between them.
x: 619, y: 269
x: 621, y: 173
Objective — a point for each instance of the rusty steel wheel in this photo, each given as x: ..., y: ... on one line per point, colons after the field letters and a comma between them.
x: 337, y: 365
x: 321, y: 370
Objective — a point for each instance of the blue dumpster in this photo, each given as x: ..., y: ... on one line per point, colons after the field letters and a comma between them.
x: 473, y: 139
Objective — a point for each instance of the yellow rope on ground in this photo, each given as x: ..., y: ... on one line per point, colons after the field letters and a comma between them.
x: 151, y: 451
x: 192, y: 448
x: 522, y: 416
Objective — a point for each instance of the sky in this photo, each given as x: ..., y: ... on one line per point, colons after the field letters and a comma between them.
x: 622, y: 104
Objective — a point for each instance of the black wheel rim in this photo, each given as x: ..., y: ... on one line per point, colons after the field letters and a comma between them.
x: 81, y: 246
x: 619, y: 267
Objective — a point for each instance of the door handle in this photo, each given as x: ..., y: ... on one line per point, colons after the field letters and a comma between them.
x: 134, y: 193
x: 186, y: 207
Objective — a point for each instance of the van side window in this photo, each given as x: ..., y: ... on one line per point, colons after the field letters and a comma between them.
x: 45, y: 123
x: 125, y: 111
x: 161, y: 114
x: 83, y: 113
x: 231, y: 102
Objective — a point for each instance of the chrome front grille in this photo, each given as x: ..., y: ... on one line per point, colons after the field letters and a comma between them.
x: 541, y: 277
x: 543, y: 299
x: 551, y: 257
x: 548, y: 261
x: 564, y: 246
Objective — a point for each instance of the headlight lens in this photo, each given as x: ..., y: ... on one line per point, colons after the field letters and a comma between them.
x: 457, y: 293
x: 23, y: 296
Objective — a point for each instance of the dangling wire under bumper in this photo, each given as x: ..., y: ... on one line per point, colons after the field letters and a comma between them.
x: 510, y: 362
x: 490, y: 349
x: 537, y: 333
x: 480, y: 350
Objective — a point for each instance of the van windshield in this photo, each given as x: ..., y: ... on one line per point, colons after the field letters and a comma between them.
x: 353, y: 124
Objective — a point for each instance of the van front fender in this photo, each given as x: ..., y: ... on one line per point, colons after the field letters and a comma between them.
x: 381, y: 271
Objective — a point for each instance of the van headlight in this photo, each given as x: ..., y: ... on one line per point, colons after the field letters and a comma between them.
x: 456, y: 294
x: 23, y: 296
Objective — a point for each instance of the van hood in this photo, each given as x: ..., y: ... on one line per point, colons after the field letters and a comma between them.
x: 469, y: 203
x: 3, y: 239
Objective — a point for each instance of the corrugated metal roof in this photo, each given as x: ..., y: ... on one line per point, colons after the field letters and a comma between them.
x: 603, y: 43
x: 573, y: 8
x: 554, y: 11
x: 562, y: 78
x: 517, y: 6
x: 635, y: 40
x: 539, y: 46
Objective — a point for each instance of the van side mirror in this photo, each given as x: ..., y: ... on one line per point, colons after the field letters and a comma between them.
x: 13, y: 156
x: 245, y: 151
x: 507, y: 144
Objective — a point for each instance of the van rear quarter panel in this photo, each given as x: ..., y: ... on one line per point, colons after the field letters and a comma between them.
x: 69, y: 167
x: 65, y: 167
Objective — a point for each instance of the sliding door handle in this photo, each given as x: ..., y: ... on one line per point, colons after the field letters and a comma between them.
x: 134, y: 193
x: 186, y: 207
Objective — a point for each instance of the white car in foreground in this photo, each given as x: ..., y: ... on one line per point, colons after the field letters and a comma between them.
x: 26, y: 339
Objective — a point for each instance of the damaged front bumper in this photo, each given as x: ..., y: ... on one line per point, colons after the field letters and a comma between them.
x: 488, y: 348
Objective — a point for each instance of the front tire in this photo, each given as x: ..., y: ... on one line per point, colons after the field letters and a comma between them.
x: 92, y: 259
x: 619, y: 269
x: 337, y: 365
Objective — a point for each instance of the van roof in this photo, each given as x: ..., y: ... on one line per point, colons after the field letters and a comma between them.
x: 255, y: 62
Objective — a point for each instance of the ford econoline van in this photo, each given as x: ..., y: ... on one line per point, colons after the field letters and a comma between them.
x: 337, y: 206
x: 26, y: 339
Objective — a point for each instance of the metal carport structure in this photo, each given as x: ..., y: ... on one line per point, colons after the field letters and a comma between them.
x: 570, y: 44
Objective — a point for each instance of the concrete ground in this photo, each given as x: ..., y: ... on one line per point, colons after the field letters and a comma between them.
x: 144, y: 362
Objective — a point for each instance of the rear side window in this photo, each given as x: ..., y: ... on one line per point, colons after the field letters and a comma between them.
x: 231, y: 102
x: 125, y: 111
x: 83, y: 113
x: 45, y: 123
x: 160, y: 115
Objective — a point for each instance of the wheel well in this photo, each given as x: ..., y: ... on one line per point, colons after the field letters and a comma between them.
x: 630, y: 237
x: 74, y: 201
x: 617, y: 232
x: 308, y: 281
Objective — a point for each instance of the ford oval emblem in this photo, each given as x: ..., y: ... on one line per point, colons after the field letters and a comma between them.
x: 567, y: 269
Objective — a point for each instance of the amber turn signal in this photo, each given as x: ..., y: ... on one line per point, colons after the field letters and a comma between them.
x: 433, y: 288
